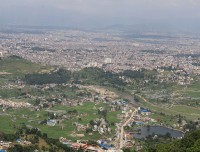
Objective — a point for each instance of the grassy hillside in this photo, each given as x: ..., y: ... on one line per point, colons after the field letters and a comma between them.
x: 17, y: 66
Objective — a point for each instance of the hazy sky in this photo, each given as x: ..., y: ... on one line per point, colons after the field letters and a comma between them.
x: 102, y: 13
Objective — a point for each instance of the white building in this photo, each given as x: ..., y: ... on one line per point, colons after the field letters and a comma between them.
x: 108, y: 60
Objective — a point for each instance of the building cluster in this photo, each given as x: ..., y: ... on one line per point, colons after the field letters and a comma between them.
x: 4, y: 146
x: 10, y: 104
x: 101, y: 146
x: 78, y: 49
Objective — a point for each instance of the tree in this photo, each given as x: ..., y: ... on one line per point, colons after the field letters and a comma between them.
x: 16, y: 148
x: 44, y: 135
x: 91, y: 122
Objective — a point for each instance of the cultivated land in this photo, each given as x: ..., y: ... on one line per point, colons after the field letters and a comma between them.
x: 14, y: 67
x: 190, y: 113
x: 91, y: 104
x: 14, y: 118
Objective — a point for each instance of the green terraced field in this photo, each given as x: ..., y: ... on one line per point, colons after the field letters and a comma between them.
x: 31, y: 118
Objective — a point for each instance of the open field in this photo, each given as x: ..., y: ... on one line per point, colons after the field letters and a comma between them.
x: 102, y: 91
x: 189, y: 112
x: 186, y: 109
x: 86, y: 112
x: 192, y: 90
x: 6, y: 124
x: 165, y: 118
x: 17, y: 66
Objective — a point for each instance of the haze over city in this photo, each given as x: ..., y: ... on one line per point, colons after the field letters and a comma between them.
x: 170, y: 15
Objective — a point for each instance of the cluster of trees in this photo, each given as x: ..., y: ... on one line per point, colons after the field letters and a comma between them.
x: 103, y: 113
x: 168, y: 68
x: 58, y: 77
x: 134, y: 74
x: 140, y: 74
x: 93, y: 75
x: 190, y: 143
x: 136, y: 98
x: 196, y: 64
x: 85, y: 76
x: 8, y: 137
x: 33, y: 135
x: 154, y: 51
x: 20, y: 148
x: 36, y: 48
x: 72, y: 112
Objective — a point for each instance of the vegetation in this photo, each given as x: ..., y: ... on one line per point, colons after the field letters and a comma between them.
x: 16, y: 67
x: 16, y: 71
x: 189, y: 112
x: 168, y: 68
x: 97, y: 76
x: 190, y: 143
x: 37, y: 138
x: 154, y: 51
x: 81, y: 114
x: 134, y: 74
x: 58, y: 77
x: 140, y: 74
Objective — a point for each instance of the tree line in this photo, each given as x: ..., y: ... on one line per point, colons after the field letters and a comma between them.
x: 90, y: 75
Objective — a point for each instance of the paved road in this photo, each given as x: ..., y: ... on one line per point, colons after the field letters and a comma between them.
x: 121, y: 137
